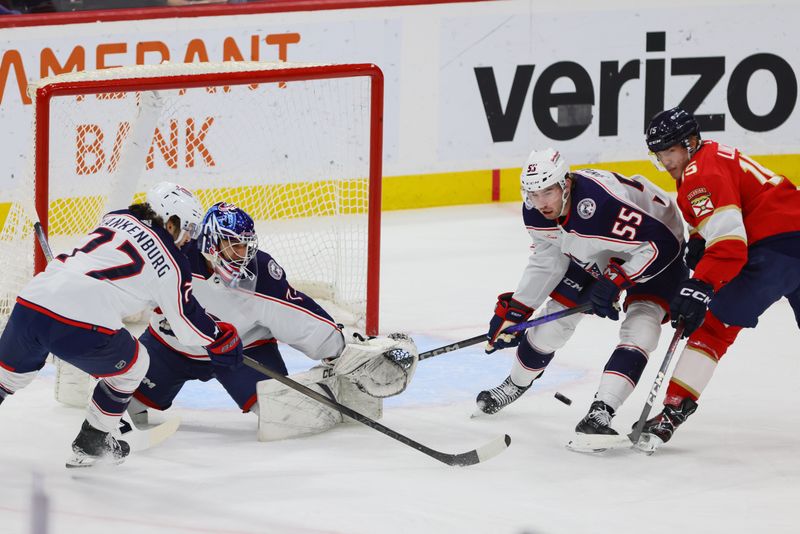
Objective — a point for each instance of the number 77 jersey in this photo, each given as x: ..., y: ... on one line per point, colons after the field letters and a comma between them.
x: 610, y: 216
x: 733, y: 202
x: 124, y: 266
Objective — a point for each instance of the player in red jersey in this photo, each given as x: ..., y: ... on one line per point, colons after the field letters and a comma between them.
x: 744, y: 248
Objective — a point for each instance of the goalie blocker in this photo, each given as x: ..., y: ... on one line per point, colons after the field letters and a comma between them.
x: 367, y: 371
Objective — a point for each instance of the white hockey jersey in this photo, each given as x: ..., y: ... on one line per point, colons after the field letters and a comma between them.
x: 121, y: 268
x: 274, y: 311
x: 610, y: 216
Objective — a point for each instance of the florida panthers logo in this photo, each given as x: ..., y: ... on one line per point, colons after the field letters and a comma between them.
x: 702, y: 205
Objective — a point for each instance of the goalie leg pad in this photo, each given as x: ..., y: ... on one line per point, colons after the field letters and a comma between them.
x: 285, y: 413
x: 354, y: 397
x: 381, y: 366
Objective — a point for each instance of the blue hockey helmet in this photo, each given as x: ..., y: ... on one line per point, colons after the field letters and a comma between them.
x: 670, y: 127
x: 229, y: 241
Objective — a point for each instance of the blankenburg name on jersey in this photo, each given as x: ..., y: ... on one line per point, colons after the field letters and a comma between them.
x: 145, y: 240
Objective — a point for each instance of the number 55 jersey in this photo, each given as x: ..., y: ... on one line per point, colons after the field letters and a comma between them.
x: 610, y: 216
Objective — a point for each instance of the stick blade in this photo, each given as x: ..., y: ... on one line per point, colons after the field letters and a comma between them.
x: 481, y: 454
x: 594, y: 443
x: 143, y: 439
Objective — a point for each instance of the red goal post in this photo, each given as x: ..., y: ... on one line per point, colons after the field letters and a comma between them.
x: 298, y: 146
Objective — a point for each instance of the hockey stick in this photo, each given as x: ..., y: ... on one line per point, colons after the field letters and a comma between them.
x: 651, y: 397
x: 43, y: 244
x: 510, y: 330
x: 481, y: 454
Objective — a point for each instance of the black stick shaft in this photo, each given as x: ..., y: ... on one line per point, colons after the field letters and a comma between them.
x: 467, y: 458
x: 43, y: 244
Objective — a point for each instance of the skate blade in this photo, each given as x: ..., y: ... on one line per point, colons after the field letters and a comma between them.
x: 594, y: 443
x: 81, y: 461
x: 648, y: 444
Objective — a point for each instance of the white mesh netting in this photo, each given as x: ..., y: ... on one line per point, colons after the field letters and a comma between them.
x: 294, y: 154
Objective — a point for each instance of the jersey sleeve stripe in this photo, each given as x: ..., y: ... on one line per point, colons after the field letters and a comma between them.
x: 298, y: 308
x: 173, y: 349
x: 725, y: 238
x: 725, y: 222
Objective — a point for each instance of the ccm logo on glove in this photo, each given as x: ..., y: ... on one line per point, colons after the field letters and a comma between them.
x: 695, y: 294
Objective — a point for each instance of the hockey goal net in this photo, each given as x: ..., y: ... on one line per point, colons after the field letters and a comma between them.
x: 297, y: 146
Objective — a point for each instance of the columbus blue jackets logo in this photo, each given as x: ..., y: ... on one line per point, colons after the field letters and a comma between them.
x: 586, y: 208
x: 275, y: 270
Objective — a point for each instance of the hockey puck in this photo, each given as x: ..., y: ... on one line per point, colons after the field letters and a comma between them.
x: 563, y: 398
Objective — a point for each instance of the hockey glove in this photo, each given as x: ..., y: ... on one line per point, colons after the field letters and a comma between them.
x: 507, y: 312
x: 227, y: 349
x: 606, y: 290
x: 690, y: 304
x: 695, y: 249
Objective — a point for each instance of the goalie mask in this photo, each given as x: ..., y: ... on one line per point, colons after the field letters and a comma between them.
x: 229, y: 242
x: 168, y: 199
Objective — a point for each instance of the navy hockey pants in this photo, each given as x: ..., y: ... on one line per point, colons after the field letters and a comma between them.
x: 772, y: 272
x: 169, y: 371
x: 33, y: 332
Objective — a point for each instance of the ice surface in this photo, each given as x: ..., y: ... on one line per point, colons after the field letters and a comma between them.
x: 733, y: 468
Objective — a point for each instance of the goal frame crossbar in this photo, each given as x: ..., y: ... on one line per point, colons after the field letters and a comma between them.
x: 79, y: 84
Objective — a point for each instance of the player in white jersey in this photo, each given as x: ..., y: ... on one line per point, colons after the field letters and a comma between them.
x: 595, y: 234
x: 74, y: 309
x: 246, y: 287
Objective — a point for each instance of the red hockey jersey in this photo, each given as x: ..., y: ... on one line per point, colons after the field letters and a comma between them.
x: 733, y: 202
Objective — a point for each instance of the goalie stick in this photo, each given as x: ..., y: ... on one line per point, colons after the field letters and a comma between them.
x: 510, y: 330
x: 139, y: 439
x: 481, y: 454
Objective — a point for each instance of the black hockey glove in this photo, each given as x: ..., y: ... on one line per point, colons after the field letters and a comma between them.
x: 695, y: 249
x: 227, y: 350
x: 690, y: 304
x: 507, y: 312
x: 605, y: 291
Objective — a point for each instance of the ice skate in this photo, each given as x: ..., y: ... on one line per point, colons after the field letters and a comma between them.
x: 93, y: 446
x: 660, y: 428
x: 594, y: 433
x: 493, y: 400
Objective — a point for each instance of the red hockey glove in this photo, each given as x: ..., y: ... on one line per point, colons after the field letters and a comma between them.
x: 227, y: 349
x: 507, y: 312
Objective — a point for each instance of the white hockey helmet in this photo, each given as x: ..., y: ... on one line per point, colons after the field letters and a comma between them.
x: 168, y: 199
x: 542, y: 169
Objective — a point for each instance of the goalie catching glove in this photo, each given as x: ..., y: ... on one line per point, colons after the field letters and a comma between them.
x: 379, y: 366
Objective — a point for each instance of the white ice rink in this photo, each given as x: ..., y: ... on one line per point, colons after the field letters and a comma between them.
x: 733, y: 468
